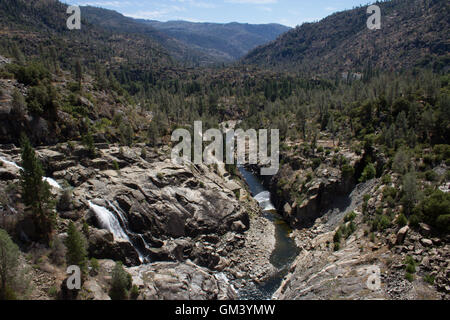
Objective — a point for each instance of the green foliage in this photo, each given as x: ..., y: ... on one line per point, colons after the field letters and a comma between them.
x: 120, y: 283
x: 95, y: 266
x: 350, y: 216
x: 435, y: 210
x: 381, y: 223
x: 410, y: 268
x: 126, y: 134
x: 368, y: 173
x: 429, y: 279
x: 31, y: 74
x: 36, y: 193
x: 410, y: 192
x: 316, y: 162
x: 76, y: 247
x: 401, y: 220
x: 386, y: 179
x: 402, y: 161
x: 9, y: 262
x: 409, y: 277
x: 134, y: 293
x: 88, y: 142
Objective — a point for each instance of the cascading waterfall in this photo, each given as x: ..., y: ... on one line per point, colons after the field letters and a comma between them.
x: 115, y: 223
x: 108, y: 221
x: 50, y: 181
x: 263, y: 198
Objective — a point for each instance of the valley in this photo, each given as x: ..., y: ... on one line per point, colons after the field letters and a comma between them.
x: 358, y: 208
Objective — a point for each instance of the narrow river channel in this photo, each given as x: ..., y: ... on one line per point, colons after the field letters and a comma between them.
x: 285, y: 249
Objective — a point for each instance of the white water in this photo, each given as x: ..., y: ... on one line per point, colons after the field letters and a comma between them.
x: 264, y: 201
x: 10, y: 163
x: 50, y: 181
x: 108, y: 221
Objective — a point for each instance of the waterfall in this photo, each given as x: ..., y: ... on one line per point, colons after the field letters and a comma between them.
x: 50, y: 181
x: 116, y: 223
x: 10, y: 163
x: 264, y: 201
x: 108, y: 221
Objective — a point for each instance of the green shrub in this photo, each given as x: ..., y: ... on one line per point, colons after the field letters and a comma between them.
x: 381, y: 223
x: 409, y: 277
x: 429, y: 279
x: 316, y: 162
x: 386, y: 179
x: 53, y: 292
x: 369, y: 173
x: 350, y: 217
x: 402, y: 220
x: 337, y: 246
x: 120, y: 283
x: 134, y: 293
x: 432, y: 176
x: 76, y: 247
x: 435, y: 210
x: 337, y: 236
x: 95, y: 266
x: 9, y: 263
x: 414, y: 220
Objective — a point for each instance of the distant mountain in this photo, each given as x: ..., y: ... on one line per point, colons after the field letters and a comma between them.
x: 223, y: 42
x: 413, y: 33
x: 38, y: 28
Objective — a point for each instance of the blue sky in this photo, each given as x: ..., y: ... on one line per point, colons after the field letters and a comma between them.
x: 287, y: 12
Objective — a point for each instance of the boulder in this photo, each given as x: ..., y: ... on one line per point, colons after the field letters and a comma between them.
x: 426, y: 242
x: 102, y: 245
x: 180, y: 281
x: 425, y: 229
x: 401, y: 234
x: 91, y: 290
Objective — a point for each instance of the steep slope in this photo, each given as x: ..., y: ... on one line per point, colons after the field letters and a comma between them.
x: 38, y: 27
x: 224, y: 42
x: 116, y: 22
x: 413, y: 33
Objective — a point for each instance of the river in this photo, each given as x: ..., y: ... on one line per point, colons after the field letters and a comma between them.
x: 285, y: 250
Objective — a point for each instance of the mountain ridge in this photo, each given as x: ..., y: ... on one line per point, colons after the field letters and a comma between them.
x: 412, y: 34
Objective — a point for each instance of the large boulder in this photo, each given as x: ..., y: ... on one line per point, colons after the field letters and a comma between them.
x: 180, y: 281
x: 401, y: 234
x: 102, y: 245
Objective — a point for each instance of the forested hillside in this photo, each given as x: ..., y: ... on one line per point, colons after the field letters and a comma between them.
x: 413, y: 33
x: 223, y: 42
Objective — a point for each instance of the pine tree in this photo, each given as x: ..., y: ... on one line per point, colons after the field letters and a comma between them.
x: 9, y: 255
x: 121, y: 283
x: 36, y: 192
x: 76, y: 245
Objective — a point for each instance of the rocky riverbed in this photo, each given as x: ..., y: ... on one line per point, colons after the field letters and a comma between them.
x: 162, y: 221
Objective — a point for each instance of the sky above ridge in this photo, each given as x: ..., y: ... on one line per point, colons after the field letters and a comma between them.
x: 287, y: 12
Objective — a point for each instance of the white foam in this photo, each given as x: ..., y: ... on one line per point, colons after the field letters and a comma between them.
x: 108, y: 221
x: 52, y: 182
x: 264, y: 201
x: 10, y: 163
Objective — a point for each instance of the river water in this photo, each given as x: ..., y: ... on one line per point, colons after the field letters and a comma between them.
x: 285, y: 250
